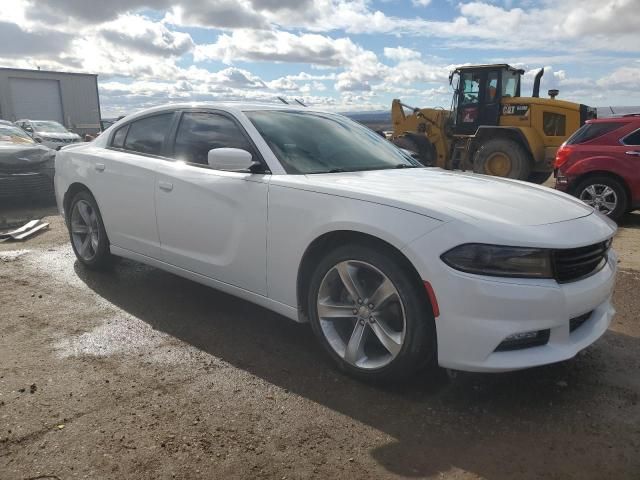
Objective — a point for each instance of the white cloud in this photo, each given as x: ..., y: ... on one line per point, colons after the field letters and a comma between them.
x: 401, y: 53
x: 146, y: 36
x: 280, y: 46
x: 421, y: 3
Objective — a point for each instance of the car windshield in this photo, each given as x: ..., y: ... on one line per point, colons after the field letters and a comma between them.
x: 312, y: 142
x: 13, y: 135
x: 41, y: 126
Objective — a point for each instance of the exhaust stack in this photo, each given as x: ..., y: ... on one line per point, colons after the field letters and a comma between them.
x: 536, y: 83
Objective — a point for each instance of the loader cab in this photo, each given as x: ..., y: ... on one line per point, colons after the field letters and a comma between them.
x: 478, y: 91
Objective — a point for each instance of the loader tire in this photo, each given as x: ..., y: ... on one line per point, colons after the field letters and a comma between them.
x: 502, y: 157
x: 423, y: 149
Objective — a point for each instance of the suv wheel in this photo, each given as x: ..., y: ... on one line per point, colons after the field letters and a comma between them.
x: 369, y: 314
x: 607, y: 195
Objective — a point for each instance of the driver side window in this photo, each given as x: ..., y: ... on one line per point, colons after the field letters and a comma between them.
x: 199, y: 132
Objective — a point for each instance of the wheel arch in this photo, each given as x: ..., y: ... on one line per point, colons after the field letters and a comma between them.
x: 333, y: 239
x: 71, y: 192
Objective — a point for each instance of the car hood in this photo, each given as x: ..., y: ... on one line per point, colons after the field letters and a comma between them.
x: 57, y: 135
x: 450, y: 195
x: 13, y: 154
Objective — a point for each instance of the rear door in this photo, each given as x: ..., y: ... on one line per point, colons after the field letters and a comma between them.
x: 212, y: 222
x: 125, y: 181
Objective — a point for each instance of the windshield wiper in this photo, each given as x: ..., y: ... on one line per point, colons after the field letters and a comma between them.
x: 336, y: 170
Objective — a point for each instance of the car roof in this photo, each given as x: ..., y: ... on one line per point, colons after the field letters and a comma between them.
x: 231, y: 107
x: 627, y: 118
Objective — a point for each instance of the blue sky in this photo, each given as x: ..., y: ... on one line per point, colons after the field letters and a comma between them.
x: 337, y: 54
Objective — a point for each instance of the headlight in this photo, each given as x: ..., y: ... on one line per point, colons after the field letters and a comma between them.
x: 500, y: 261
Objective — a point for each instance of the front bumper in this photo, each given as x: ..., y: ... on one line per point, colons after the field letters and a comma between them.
x: 470, y: 330
x: 27, y: 184
x: 478, y: 313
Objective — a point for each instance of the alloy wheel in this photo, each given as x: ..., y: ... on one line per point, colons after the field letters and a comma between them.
x: 361, y: 314
x: 85, y: 232
x: 601, y: 197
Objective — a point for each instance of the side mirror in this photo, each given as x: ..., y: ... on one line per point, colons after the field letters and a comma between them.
x: 231, y: 159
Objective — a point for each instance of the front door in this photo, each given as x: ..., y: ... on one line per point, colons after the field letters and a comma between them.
x: 212, y: 222
x: 478, y: 101
x: 468, y: 114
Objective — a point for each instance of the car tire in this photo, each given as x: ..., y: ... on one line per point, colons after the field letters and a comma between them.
x: 87, y: 233
x: 410, y: 352
x: 539, y: 177
x: 502, y: 157
x: 608, y: 189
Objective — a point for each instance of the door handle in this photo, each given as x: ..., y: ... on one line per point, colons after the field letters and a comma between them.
x: 100, y: 167
x: 166, y: 186
x: 633, y: 152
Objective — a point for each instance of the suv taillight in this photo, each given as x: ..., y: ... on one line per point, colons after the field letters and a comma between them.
x: 562, y: 155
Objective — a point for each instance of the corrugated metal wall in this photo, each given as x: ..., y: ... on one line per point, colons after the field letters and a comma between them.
x: 79, y: 97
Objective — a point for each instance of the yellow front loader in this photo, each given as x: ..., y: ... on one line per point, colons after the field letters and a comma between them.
x: 491, y: 129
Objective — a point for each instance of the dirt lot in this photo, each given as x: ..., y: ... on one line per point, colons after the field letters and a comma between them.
x: 136, y: 373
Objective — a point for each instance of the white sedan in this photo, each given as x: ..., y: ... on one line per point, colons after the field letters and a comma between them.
x: 321, y: 220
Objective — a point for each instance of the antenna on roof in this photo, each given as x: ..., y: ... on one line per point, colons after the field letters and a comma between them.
x: 300, y: 102
x: 283, y: 100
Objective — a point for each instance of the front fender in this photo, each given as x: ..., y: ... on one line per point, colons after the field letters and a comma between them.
x: 298, y: 217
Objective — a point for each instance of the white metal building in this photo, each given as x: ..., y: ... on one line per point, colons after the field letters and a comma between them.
x: 68, y: 98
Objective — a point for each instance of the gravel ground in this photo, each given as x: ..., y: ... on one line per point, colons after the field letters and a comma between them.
x: 137, y: 373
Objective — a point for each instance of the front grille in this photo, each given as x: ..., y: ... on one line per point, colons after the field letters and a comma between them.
x: 26, y: 185
x: 576, y: 322
x: 22, y: 167
x: 575, y: 263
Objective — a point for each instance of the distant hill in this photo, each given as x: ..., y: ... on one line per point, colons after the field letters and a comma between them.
x: 381, y: 119
x: 375, y: 120
x: 604, y: 112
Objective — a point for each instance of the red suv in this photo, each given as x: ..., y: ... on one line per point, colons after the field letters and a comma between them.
x: 600, y: 164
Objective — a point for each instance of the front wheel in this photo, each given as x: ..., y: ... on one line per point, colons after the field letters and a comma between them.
x: 371, y: 315
x: 502, y: 157
x: 607, y: 195
x: 86, y: 230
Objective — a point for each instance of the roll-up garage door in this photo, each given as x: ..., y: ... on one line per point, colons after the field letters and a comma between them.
x: 36, y: 99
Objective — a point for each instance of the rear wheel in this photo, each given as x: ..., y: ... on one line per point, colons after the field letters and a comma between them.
x: 369, y: 314
x: 607, y: 195
x: 502, y: 157
x: 86, y: 230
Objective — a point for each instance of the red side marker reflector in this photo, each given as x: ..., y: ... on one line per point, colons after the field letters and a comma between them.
x: 432, y: 298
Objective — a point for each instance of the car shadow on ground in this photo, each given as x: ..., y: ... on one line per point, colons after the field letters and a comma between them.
x: 530, y: 424
x: 630, y: 220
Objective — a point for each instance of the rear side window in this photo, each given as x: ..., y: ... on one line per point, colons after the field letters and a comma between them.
x: 147, y: 135
x: 632, y: 139
x: 119, y: 136
x: 200, y: 132
x: 592, y: 130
